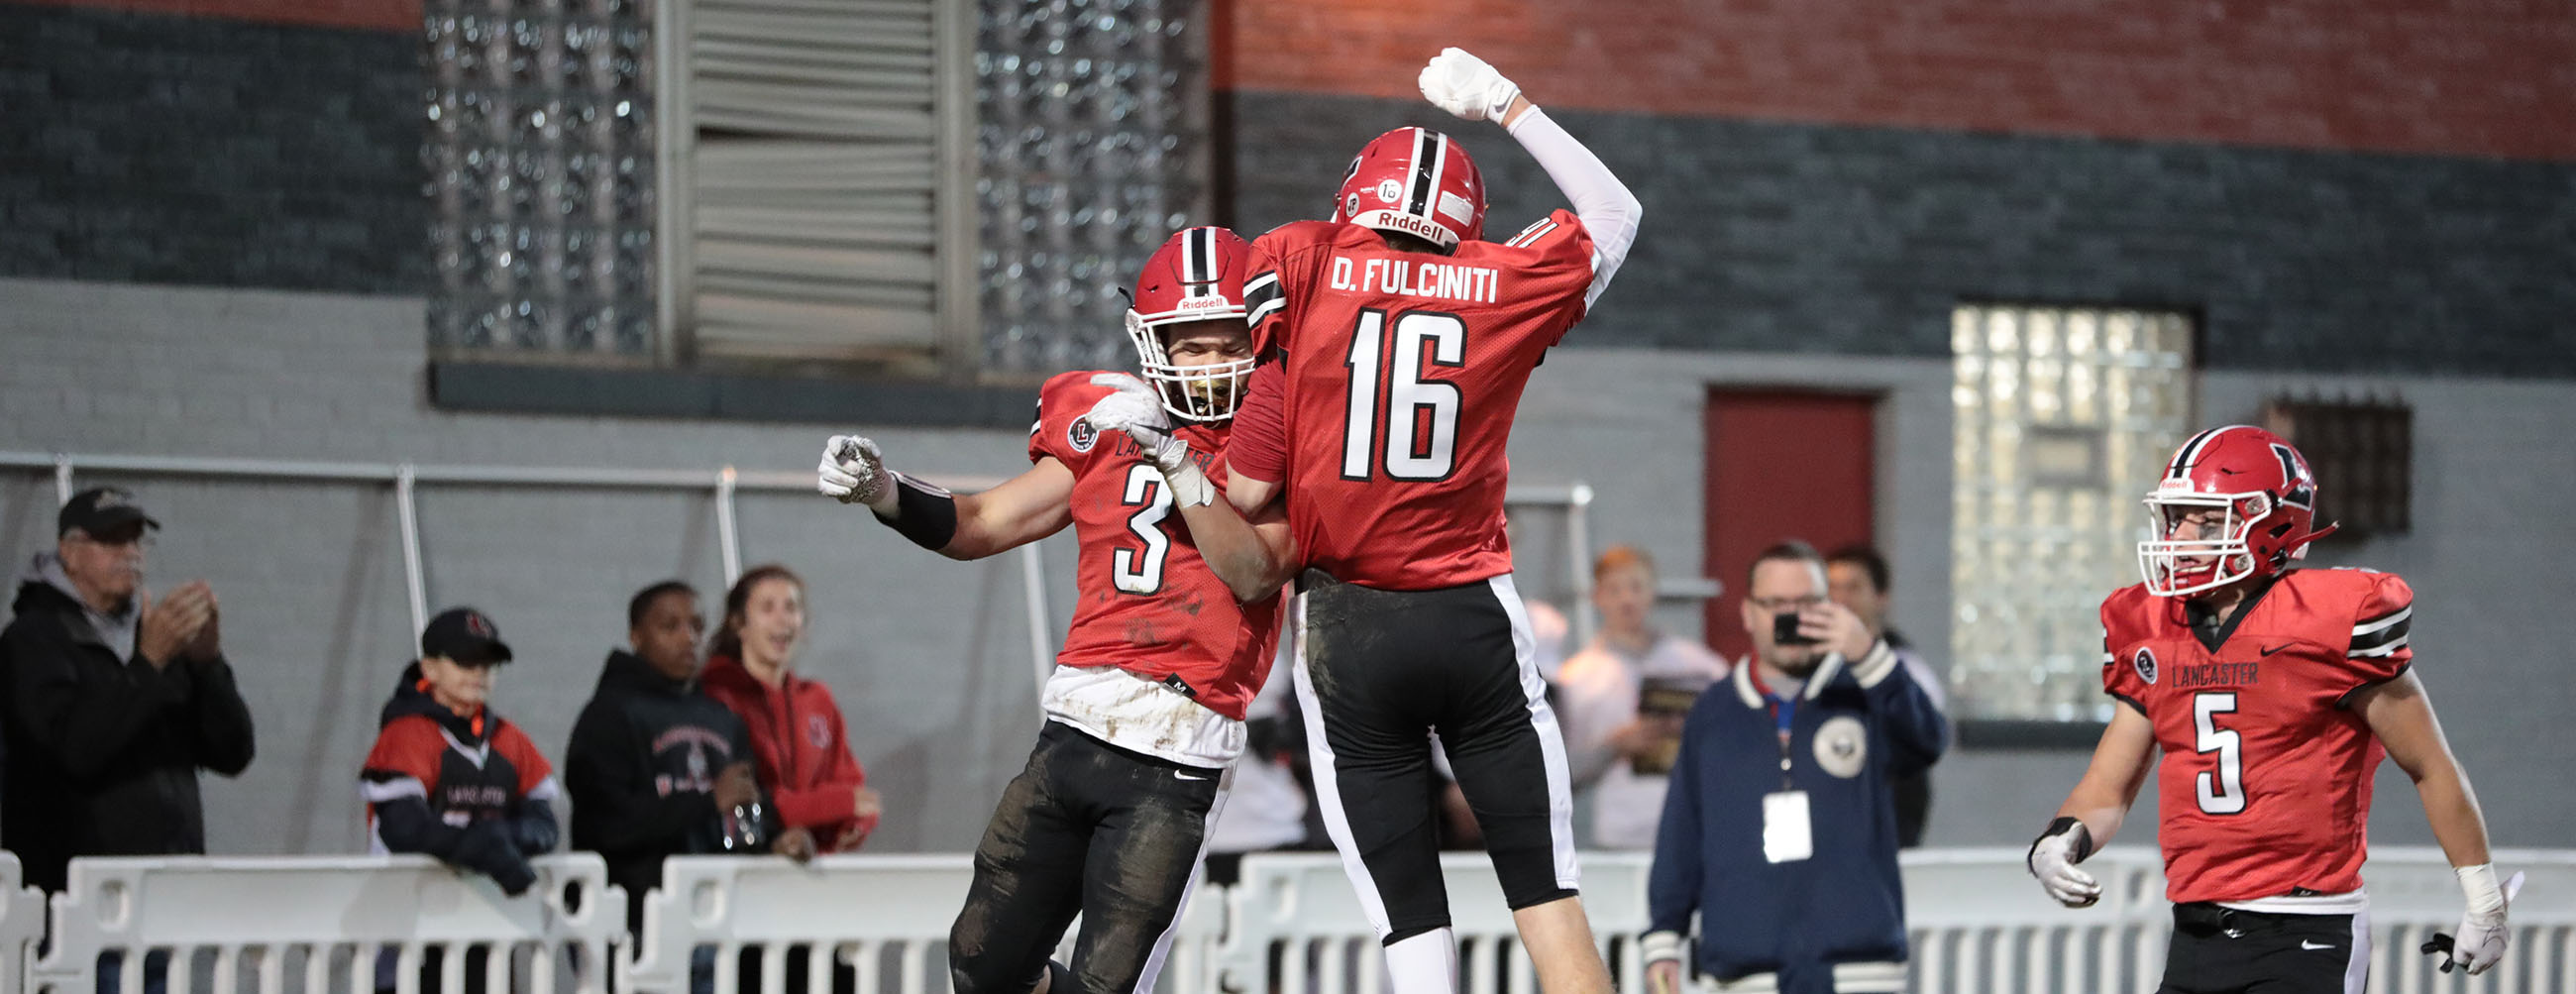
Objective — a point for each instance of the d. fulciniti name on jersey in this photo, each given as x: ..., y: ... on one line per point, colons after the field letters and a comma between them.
x: 1411, y: 278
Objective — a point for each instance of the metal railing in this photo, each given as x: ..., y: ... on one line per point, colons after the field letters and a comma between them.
x: 723, y: 483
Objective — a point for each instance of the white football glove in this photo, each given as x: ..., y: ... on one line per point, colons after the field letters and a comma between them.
x: 2053, y: 858
x: 1137, y: 410
x: 1465, y: 85
x: 2480, y: 942
x: 853, y: 472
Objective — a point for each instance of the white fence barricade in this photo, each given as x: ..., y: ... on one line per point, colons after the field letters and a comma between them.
x: 22, y: 924
x: 1296, y: 925
x: 885, y: 917
x: 315, y: 925
x: 326, y: 918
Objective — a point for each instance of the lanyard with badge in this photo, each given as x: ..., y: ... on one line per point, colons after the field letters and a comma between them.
x: 1786, y: 834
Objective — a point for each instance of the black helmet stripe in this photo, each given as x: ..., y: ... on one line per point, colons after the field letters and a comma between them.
x: 2189, y: 453
x: 1427, y: 146
x: 1197, y: 248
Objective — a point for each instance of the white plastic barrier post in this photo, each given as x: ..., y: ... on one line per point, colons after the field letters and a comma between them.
x: 22, y: 924
x: 1298, y: 926
x: 1979, y: 924
x: 860, y: 910
x: 884, y: 917
x: 256, y: 915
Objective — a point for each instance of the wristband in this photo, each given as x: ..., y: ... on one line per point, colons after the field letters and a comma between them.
x: 924, y: 513
x: 1659, y: 946
x: 2478, y: 883
x: 2080, y: 845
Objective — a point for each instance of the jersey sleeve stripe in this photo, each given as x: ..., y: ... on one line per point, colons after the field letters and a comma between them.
x: 2397, y: 617
x: 2385, y: 649
x: 391, y: 788
x: 2128, y: 700
x: 1263, y: 283
x: 1538, y: 229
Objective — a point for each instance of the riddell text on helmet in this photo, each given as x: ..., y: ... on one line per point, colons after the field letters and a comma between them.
x: 1411, y: 278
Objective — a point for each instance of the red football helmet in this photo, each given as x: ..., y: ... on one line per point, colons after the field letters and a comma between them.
x: 1196, y: 276
x: 1415, y: 181
x: 2267, y: 502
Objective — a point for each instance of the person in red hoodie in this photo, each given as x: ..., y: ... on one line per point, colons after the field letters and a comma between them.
x: 798, y: 742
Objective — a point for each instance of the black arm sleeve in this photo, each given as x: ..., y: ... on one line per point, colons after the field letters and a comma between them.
x: 222, y: 734
x: 406, y: 824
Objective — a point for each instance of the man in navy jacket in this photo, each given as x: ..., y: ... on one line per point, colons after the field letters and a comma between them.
x: 1778, y: 826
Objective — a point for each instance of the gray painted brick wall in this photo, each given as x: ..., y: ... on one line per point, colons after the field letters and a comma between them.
x: 928, y: 658
x: 1787, y: 237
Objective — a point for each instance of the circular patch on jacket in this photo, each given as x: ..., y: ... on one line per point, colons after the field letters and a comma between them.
x: 1842, y: 745
x: 818, y: 731
x: 2145, y: 661
x: 1082, y: 436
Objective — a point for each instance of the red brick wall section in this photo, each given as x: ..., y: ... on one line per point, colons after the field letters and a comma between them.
x: 2459, y: 77
x: 373, y: 15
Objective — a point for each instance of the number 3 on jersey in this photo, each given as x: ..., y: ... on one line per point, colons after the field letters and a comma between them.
x: 1392, y: 381
x: 2222, y: 791
x: 1141, y: 572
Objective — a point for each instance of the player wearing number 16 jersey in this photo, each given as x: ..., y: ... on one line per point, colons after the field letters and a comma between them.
x: 1402, y: 341
x: 2273, y: 693
x: 1145, y: 709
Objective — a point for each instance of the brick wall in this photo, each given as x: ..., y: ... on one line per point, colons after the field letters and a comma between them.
x: 158, y: 148
x: 2461, y: 77
x: 1770, y: 236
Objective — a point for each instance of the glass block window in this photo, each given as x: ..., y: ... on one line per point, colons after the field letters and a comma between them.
x: 2063, y: 419
x: 1093, y: 133
x: 540, y: 163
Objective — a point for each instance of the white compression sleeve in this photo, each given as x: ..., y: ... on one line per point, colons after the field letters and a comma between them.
x: 1608, y: 210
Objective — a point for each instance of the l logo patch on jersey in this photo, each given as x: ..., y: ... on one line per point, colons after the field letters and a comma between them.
x: 2145, y: 661
x: 1082, y: 436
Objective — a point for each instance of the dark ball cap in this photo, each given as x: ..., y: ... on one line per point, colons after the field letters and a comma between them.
x: 464, y: 635
x: 100, y: 512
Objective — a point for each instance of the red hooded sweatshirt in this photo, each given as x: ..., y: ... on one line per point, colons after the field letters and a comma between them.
x: 803, y: 752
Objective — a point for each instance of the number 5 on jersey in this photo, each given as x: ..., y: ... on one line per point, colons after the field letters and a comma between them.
x: 1393, y: 381
x: 2222, y: 791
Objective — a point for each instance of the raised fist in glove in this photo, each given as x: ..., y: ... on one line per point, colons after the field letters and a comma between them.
x: 853, y: 472
x: 1464, y: 85
x: 2053, y: 858
x: 1137, y: 409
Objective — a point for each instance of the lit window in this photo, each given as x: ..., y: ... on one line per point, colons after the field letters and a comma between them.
x: 2063, y: 419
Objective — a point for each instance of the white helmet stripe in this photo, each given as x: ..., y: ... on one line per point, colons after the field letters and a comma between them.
x: 1194, y: 256
x: 1439, y: 164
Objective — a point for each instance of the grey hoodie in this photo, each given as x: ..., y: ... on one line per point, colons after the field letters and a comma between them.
x: 116, y: 629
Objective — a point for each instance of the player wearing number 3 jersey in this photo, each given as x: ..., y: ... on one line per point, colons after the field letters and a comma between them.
x: 1402, y: 341
x: 2273, y: 693
x: 1145, y: 709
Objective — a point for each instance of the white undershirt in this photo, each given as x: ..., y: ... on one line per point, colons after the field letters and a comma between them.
x: 1140, y: 715
x: 1608, y: 210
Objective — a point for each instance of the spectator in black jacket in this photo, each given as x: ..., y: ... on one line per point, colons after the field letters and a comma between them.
x: 114, y: 700
x: 657, y: 769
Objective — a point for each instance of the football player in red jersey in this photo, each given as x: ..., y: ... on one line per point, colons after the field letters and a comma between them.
x: 1403, y: 341
x: 2272, y: 693
x: 1145, y: 710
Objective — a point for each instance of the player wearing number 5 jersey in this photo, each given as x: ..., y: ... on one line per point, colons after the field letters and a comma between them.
x: 1145, y: 709
x: 2273, y: 693
x: 1402, y: 342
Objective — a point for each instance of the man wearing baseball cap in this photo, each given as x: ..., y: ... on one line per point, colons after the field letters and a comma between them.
x: 114, y: 700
